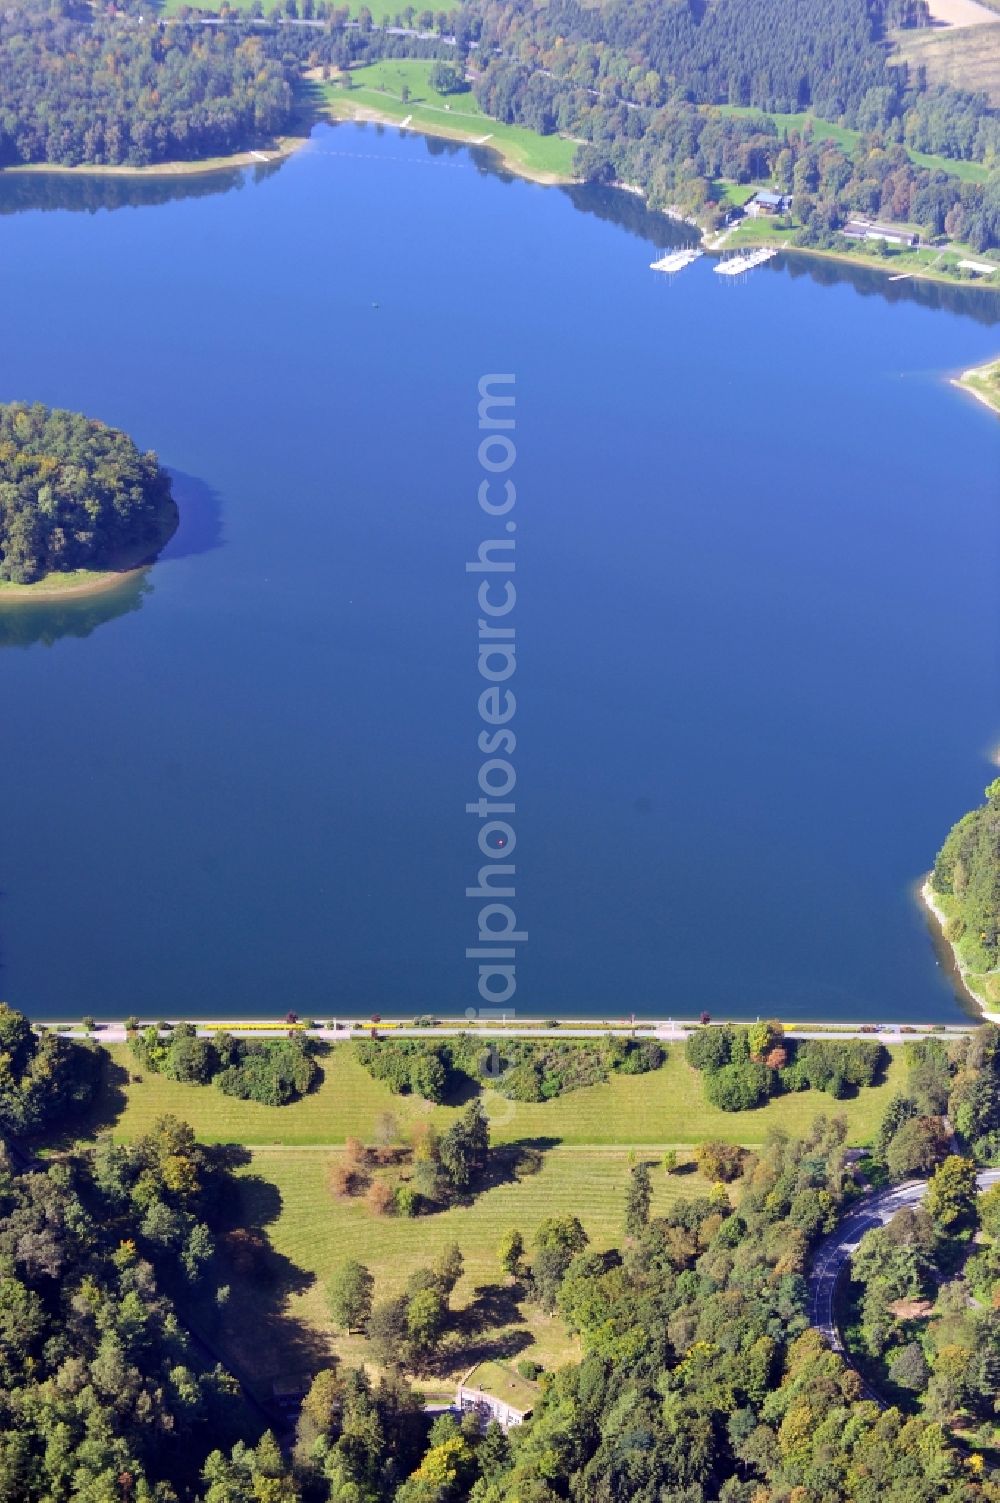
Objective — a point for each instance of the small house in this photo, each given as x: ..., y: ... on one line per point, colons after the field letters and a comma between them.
x: 765, y: 204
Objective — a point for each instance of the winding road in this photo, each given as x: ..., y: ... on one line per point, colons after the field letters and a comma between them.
x: 835, y: 1251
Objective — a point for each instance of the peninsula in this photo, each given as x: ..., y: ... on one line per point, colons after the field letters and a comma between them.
x: 80, y: 505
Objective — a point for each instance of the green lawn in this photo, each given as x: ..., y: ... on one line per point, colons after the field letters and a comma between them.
x: 662, y: 1108
x: 379, y: 88
x: 312, y: 1233
x: 823, y: 130
x: 826, y: 130
x: 276, y: 1326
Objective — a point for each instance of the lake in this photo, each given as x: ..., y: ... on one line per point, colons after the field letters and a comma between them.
x: 757, y: 547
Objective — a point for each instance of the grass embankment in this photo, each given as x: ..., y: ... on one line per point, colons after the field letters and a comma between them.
x: 278, y: 1326
x: 984, y: 383
x: 662, y: 1109
x: 376, y: 94
x: 79, y: 582
x: 827, y: 130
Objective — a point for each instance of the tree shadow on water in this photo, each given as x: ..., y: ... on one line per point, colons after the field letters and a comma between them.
x: 199, y: 526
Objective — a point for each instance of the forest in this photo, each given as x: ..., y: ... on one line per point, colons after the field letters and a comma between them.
x: 84, y: 88
x: 73, y: 492
x: 967, y: 870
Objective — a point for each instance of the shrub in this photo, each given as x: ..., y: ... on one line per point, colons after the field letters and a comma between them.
x: 737, y: 1088
x: 721, y: 1161
x: 407, y: 1200
x: 380, y: 1197
x: 709, y: 1048
x: 529, y: 1369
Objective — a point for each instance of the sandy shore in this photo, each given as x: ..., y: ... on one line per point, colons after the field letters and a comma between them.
x: 934, y: 908
x: 282, y: 148
x: 95, y: 582
x: 966, y: 382
x: 95, y: 585
x: 362, y: 114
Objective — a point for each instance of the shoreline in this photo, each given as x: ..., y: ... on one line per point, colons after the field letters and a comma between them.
x: 95, y: 581
x: 969, y: 380
x: 341, y: 112
x: 345, y: 113
x: 866, y: 263
x: 961, y: 970
x: 284, y: 147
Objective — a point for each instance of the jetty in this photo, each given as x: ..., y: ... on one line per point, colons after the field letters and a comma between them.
x: 735, y: 266
x: 675, y: 261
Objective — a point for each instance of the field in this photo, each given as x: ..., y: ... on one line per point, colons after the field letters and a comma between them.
x: 664, y: 1108
x: 826, y: 130
x: 276, y: 1325
x: 312, y: 1233
x: 966, y: 57
x: 376, y: 91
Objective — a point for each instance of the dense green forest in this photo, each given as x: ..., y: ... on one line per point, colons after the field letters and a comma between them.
x: 44, y: 1078
x: 79, y: 87
x: 73, y: 492
x: 700, y: 1379
x: 967, y: 870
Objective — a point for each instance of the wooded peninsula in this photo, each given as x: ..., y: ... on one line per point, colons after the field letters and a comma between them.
x: 75, y: 495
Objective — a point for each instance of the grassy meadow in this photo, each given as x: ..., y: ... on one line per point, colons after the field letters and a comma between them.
x: 377, y: 90
x: 276, y: 1325
x: 967, y: 57
x: 311, y: 1231
x: 665, y: 1108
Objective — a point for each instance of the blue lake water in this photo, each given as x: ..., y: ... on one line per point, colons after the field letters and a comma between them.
x: 757, y: 549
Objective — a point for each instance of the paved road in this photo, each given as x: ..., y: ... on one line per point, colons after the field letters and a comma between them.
x: 835, y: 1251
x: 674, y: 1031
